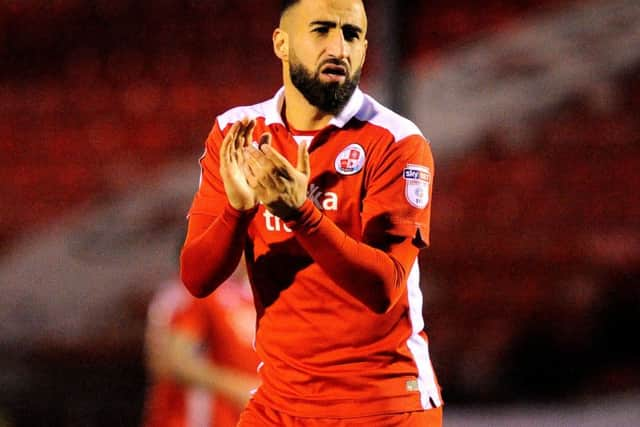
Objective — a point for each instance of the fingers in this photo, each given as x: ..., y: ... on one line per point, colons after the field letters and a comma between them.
x: 303, y: 165
x: 260, y: 169
x: 248, y: 133
x: 239, y: 136
x: 251, y: 178
x: 226, y: 148
x: 280, y: 163
x: 244, y: 133
x: 278, y: 159
x: 262, y: 166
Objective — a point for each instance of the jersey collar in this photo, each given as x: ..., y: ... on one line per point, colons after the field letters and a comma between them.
x: 274, y: 107
x: 352, y: 108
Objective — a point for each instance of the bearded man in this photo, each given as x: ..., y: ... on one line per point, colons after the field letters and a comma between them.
x: 331, y: 244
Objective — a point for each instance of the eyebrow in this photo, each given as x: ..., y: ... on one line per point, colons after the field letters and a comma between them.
x: 332, y: 24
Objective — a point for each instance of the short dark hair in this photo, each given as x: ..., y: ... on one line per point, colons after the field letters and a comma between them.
x: 285, y: 5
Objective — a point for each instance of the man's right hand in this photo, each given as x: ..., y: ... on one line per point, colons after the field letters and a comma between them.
x: 241, y: 196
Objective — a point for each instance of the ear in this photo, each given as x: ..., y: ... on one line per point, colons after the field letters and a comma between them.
x: 364, y: 53
x: 281, y: 44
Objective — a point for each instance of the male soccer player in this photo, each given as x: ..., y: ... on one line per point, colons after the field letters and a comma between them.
x: 331, y: 243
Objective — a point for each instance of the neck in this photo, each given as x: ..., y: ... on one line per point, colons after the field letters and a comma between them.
x: 299, y: 113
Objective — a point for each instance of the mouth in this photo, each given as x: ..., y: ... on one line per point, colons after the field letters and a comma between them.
x: 334, y: 72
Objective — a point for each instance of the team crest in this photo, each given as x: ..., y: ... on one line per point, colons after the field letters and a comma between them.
x: 416, y: 188
x: 350, y: 160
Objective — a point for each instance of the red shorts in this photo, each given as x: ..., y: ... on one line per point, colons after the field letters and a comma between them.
x: 256, y: 415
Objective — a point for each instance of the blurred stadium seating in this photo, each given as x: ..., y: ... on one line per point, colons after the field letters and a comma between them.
x: 534, y: 246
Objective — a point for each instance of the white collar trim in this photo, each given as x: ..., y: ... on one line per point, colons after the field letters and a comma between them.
x: 273, y: 113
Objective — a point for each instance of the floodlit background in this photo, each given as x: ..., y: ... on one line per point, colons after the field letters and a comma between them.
x: 532, y: 296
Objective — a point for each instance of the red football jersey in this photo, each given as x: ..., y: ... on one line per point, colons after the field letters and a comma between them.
x: 323, y: 352
x: 224, y: 323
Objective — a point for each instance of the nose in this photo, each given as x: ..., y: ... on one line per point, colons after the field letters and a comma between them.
x: 338, y: 46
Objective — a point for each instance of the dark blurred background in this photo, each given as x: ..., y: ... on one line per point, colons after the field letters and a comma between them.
x: 533, y: 110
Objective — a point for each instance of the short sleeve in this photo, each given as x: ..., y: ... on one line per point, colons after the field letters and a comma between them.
x: 210, y: 199
x: 398, y: 190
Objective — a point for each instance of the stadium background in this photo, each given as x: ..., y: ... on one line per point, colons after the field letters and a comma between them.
x: 533, y: 108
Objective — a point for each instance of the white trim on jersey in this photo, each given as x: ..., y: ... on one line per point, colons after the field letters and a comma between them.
x: 361, y: 106
x: 269, y: 109
x: 377, y: 114
x: 418, y: 346
x: 299, y: 139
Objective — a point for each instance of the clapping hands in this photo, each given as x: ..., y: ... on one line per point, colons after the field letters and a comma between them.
x: 258, y: 173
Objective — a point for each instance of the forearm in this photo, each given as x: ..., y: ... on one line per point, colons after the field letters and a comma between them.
x: 191, y: 368
x: 213, y: 249
x: 371, y: 275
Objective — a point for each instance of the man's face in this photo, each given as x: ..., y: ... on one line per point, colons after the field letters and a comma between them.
x: 327, y: 48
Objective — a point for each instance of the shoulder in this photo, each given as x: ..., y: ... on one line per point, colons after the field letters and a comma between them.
x: 378, y: 115
x: 254, y: 111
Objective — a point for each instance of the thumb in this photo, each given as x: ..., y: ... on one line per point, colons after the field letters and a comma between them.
x: 303, y: 159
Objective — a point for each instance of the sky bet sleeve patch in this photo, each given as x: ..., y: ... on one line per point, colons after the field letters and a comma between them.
x: 416, y: 189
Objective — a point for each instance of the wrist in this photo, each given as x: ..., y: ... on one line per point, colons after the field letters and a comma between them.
x: 241, y: 212
x: 306, y: 217
x: 241, y: 207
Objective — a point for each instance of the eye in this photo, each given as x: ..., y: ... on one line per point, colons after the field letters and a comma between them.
x: 350, y: 35
x: 321, y: 30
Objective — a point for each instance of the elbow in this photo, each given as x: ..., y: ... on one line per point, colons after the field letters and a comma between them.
x: 386, y: 287
x: 385, y: 305
x: 389, y: 297
x: 384, y: 299
x: 376, y: 293
x: 392, y: 289
x: 199, y: 279
x: 381, y: 307
x: 196, y: 289
x: 197, y: 286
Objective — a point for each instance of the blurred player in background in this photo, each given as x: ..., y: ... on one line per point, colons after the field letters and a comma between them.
x: 331, y: 243
x: 200, y: 355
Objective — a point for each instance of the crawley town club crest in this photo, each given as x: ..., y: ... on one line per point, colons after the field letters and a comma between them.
x: 416, y: 188
x: 350, y: 160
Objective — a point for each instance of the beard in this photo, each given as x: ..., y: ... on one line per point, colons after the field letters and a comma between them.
x: 329, y: 97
